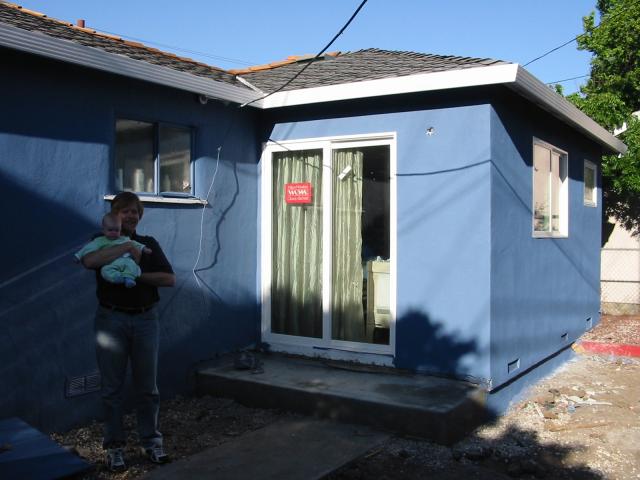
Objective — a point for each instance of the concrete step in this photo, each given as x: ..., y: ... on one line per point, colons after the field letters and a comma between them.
x: 438, y: 409
x: 291, y: 449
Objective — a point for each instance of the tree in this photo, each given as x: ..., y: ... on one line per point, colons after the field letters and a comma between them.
x: 610, y: 97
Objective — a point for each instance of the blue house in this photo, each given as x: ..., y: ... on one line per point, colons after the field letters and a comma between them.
x: 432, y: 213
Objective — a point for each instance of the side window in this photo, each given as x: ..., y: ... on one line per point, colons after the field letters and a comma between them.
x: 152, y: 158
x: 550, y: 191
x: 590, y: 187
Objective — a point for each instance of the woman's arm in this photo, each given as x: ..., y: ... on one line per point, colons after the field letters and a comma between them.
x: 103, y: 256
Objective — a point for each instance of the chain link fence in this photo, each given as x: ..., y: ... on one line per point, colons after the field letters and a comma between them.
x: 620, y: 281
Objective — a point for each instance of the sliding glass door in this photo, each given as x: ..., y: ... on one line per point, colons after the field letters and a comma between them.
x: 327, y: 278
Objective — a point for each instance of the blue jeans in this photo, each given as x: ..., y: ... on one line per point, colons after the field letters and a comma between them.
x: 121, y: 338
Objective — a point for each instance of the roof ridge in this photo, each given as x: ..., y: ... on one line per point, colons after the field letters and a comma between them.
x: 289, y: 60
x: 94, y: 32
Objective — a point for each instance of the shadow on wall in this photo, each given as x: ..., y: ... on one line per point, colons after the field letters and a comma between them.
x: 47, y: 305
x: 424, y: 346
x: 198, y: 325
x: 36, y: 228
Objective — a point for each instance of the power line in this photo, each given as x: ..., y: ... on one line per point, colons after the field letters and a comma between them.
x: 567, y: 79
x: 180, y: 49
x: 314, y: 58
x: 602, y: 21
x: 554, y: 49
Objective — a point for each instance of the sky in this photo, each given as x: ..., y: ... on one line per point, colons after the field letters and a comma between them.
x: 239, y: 33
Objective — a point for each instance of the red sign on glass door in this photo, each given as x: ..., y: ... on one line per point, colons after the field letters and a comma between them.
x: 298, y: 193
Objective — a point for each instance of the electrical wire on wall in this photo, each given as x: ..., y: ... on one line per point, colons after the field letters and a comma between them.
x: 206, y: 198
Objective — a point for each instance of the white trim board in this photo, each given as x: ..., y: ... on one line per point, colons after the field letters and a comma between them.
x: 424, y: 82
x: 512, y: 76
x: 169, y: 200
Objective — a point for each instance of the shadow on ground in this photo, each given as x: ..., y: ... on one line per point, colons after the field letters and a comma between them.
x: 516, y: 453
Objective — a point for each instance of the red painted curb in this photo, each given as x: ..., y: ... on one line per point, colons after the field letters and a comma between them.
x: 617, y: 349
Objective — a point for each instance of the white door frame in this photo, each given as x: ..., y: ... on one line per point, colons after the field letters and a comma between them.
x: 326, y: 346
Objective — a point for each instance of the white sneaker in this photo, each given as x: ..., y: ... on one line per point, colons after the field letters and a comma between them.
x: 157, y: 454
x: 115, y: 460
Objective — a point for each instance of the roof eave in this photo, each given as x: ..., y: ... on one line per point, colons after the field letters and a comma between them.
x: 424, y: 82
x: 511, y: 75
x: 71, y: 52
x: 539, y: 93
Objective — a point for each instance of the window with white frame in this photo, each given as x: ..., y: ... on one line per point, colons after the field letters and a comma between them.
x: 590, y: 188
x: 152, y: 158
x: 550, y: 191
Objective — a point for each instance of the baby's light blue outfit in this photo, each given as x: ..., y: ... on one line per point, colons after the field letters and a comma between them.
x: 121, y: 270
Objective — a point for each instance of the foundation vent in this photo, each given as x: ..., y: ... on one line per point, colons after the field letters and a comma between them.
x: 513, y: 366
x: 82, y: 385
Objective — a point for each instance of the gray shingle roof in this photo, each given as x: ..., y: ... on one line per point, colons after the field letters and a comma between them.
x: 333, y: 69
x: 369, y: 64
x: 19, y: 17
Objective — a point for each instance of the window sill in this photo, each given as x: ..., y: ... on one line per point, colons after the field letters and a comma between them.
x: 549, y: 235
x: 166, y: 200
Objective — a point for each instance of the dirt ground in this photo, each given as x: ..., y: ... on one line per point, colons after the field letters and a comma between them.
x: 616, y: 329
x: 189, y: 426
x: 581, y: 423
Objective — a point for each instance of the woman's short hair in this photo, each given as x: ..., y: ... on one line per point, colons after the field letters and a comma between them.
x: 126, y: 199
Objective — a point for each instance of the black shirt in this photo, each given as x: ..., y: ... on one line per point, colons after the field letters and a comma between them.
x: 142, y: 295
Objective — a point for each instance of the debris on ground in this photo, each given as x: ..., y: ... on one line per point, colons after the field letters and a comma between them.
x: 189, y: 426
x: 583, y: 422
x: 619, y: 329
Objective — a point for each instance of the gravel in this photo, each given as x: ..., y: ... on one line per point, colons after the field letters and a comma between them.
x: 582, y: 422
x: 189, y: 425
x: 621, y: 329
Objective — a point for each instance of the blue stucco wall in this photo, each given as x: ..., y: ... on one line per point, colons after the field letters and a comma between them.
x: 475, y: 290
x: 541, y: 288
x: 443, y: 211
x: 56, y: 147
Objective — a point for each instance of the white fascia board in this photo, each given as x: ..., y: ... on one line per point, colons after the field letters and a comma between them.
x: 539, y: 93
x: 67, y: 51
x: 512, y: 76
x: 467, y: 77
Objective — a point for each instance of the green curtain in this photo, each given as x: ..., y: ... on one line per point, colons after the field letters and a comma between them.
x: 296, y: 295
x: 347, y: 308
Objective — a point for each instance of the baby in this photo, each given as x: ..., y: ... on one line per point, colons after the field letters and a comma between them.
x: 123, y: 269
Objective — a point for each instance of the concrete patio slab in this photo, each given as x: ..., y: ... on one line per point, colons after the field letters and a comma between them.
x: 439, y: 409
